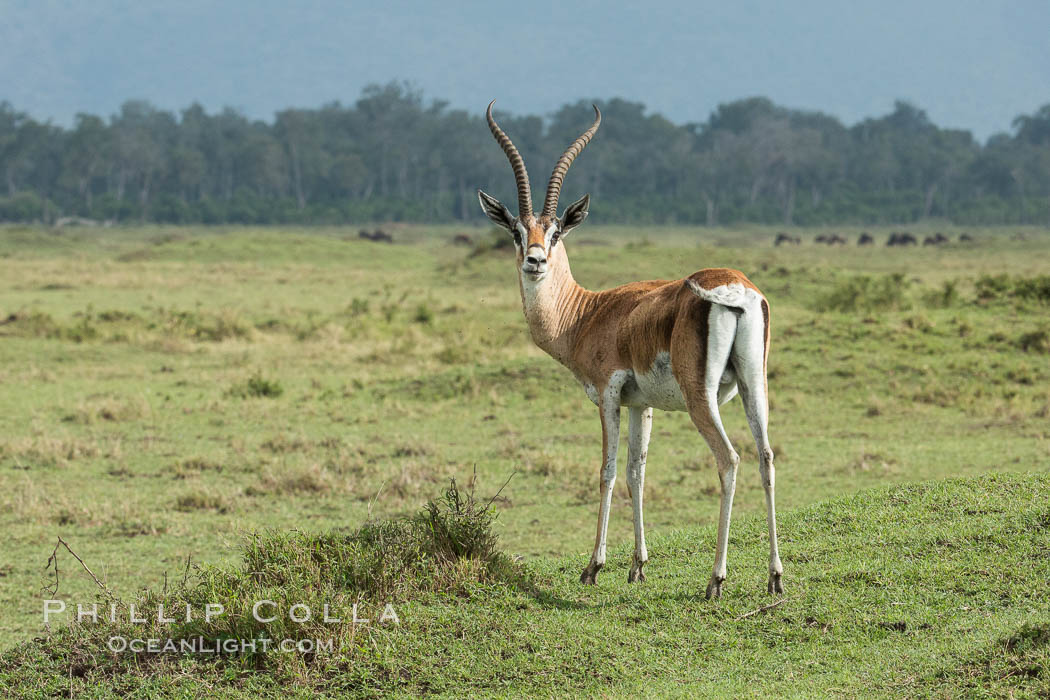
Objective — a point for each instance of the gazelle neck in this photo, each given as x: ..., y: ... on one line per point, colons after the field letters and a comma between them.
x: 554, y: 306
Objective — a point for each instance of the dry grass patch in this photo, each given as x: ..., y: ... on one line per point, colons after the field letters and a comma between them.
x: 108, y: 408
x: 408, y: 480
x: 872, y: 462
x: 27, y: 501
x: 283, y: 444
x: 311, y: 478
x: 48, y: 451
x: 199, y: 499
x: 194, y: 466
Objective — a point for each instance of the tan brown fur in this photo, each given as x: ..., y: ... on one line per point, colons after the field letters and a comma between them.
x: 537, y: 228
x: 597, y: 333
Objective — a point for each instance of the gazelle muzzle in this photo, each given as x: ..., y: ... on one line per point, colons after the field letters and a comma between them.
x: 535, y: 260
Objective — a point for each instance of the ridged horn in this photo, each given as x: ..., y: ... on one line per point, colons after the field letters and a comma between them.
x: 521, y: 176
x: 550, y: 204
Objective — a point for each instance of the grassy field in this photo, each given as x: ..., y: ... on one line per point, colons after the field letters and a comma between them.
x: 165, y: 391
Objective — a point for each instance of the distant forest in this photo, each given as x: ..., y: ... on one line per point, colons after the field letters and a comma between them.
x: 392, y: 156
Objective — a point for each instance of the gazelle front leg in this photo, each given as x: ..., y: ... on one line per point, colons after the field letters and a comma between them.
x: 640, y: 427
x: 609, y: 407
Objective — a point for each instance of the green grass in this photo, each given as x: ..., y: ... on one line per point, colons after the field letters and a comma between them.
x: 937, y: 588
x: 165, y: 392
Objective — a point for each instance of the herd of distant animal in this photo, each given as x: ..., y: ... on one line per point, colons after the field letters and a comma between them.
x: 381, y: 236
x: 897, y: 238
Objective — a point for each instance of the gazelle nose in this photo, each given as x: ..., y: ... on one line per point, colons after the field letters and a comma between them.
x: 535, y: 255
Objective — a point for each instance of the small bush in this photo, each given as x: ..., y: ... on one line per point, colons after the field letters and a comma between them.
x: 1034, y: 288
x: 863, y: 293
x: 1035, y: 341
x: 1000, y: 287
x: 919, y: 322
x: 33, y: 324
x: 458, y: 527
x: 310, y: 479
x: 200, y: 500
x: 257, y: 386
x: 446, y: 546
x: 358, y: 307
x: 990, y: 287
x: 498, y: 239
x: 946, y: 296
x: 104, y: 408
x: 207, y: 327
x: 423, y: 314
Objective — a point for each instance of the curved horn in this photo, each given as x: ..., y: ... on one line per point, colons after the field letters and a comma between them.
x: 521, y: 176
x: 550, y: 204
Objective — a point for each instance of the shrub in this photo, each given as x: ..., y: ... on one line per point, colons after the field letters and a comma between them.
x: 208, y: 327
x: 863, y: 293
x: 200, y: 500
x: 257, y: 386
x: 22, y: 206
x: 358, y: 307
x: 946, y: 296
x: 1035, y: 288
x: 992, y: 286
x: 457, y: 527
x: 423, y: 314
x: 447, y: 545
x: 498, y: 239
x: 1036, y: 341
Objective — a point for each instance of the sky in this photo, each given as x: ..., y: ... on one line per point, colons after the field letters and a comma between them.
x: 970, y: 65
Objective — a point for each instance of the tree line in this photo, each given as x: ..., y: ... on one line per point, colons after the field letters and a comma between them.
x: 392, y: 156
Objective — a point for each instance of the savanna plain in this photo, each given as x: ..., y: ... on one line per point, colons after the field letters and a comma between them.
x: 229, y: 414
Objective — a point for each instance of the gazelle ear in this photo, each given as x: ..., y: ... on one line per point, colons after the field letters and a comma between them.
x: 575, y: 213
x: 495, y: 210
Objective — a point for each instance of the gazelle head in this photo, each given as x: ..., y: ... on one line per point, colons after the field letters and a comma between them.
x: 536, y: 237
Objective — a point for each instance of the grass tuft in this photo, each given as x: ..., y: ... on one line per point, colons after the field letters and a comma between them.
x: 1035, y: 341
x: 201, y: 500
x: 257, y: 386
x: 865, y: 293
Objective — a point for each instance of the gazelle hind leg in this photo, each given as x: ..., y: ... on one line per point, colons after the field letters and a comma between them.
x: 749, y: 357
x: 702, y: 402
x: 640, y: 427
x: 727, y: 461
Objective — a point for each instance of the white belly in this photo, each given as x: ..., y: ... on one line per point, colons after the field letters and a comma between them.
x: 655, y: 387
x: 658, y: 387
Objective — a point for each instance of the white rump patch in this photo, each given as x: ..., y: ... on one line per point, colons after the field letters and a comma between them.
x: 734, y: 294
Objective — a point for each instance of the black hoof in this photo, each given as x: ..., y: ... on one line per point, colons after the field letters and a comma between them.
x: 589, y: 577
x: 775, y: 586
x: 636, y: 575
x: 714, y: 588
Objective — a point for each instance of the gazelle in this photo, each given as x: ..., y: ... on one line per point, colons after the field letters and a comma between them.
x: 687, y: 345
